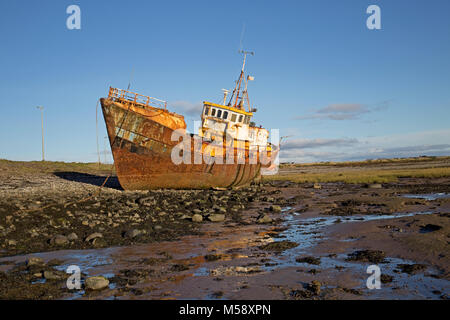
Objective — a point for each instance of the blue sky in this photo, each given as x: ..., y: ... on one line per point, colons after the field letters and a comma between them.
x: 338, y: 89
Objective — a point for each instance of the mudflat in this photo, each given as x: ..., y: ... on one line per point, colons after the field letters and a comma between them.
x: 309, y: 232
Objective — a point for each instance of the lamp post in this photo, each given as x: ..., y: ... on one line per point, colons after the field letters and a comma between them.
x: 42, y: 127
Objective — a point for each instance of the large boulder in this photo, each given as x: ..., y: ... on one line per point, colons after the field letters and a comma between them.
x: 96, y: 283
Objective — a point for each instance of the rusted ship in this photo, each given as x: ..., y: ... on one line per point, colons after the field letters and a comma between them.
x: 228, y: 151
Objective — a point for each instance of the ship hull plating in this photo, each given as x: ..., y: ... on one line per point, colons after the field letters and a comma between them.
x: 142, y: 149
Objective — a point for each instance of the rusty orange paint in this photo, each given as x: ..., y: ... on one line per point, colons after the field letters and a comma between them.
x: 140, y: 139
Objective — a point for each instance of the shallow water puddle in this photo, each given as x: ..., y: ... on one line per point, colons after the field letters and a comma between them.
x: 429, y: 196
x: 307, y: 232
x: 407, y: 286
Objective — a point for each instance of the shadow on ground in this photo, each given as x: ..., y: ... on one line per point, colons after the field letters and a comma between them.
x: 95, y: 180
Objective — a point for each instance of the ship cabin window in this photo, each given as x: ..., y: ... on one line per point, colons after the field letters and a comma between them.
x: 247, y: 120
x: 206, y: 111
x: 240, y: 118
x: 213, y: 112
x: 225, y: 115
x: 233, y: 117
x: 219, y: 113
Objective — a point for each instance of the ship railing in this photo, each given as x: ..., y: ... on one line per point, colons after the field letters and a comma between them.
x: 136, y: 98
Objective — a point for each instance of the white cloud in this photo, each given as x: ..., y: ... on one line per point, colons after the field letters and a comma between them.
x: 431, y: 143
x: 315, y: 143
x: 187, y: 108
x: 343, y: 111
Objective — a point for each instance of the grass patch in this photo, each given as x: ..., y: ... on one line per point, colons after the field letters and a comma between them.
x: 367, y: 162
x: 362, y: 176
x: 55, y: 166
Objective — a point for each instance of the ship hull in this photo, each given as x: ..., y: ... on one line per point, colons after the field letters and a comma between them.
x: 142, y: 147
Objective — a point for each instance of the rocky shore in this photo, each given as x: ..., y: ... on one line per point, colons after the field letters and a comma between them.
x: 276, y: 240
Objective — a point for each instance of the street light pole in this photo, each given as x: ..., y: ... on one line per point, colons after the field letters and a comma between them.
x: 42, y: 127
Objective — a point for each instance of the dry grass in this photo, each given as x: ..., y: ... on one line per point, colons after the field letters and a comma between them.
x: 368, y: 162
x: 55, y: 166
x: 363, y: 175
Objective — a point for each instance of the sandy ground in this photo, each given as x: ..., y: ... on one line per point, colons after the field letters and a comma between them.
x: 278, y: 240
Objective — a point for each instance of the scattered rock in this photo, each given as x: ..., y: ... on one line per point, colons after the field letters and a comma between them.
x: 234, y: 271
x: 411, y: 268
x: 35, y: 261
x: 314, y: 287
x: 275, y: 209
x: 92, y: 236
x: 72, y: 237
x: 99, y: 242
x: 374, y: 256
x: 317, y: 186
x: 309, y: 260
x: 96, y: 283
x: 59, y: 240
x: 279, y: 246
x: 216, y: 217
x: 197, y: 218
x: 54, y: 275
x: 264, y: 219
x: 130, y: 234
x: 385, y: 278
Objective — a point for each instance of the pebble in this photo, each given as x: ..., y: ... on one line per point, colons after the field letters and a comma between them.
x: 96, y: 283
x: 93, y: 236
x: 53, y: 275
x: 132, y: 233
x: 72, y: 237
x: 59, y: 240
x: 275, y: 209
x: 35, y: 261
x: 217, y: 217
x: 264, y: 219
x: 197, y: 218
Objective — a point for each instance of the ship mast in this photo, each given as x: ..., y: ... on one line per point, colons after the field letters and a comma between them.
x: 239, y: 82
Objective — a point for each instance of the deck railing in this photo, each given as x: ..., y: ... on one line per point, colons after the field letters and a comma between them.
x: 136, y: 98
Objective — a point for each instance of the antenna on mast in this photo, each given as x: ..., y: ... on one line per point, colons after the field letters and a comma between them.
x: 237, y: 87
x: 242, y: 37
x: 238, y: 83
